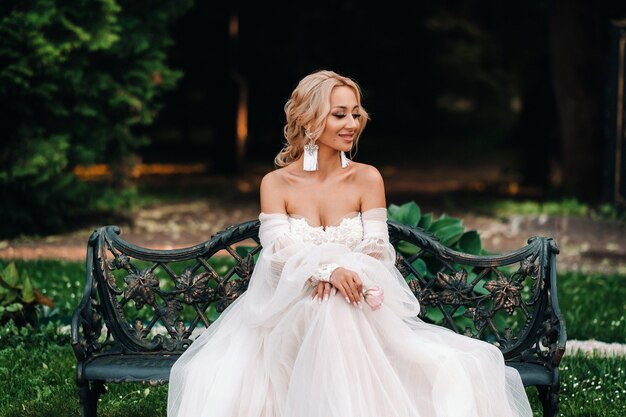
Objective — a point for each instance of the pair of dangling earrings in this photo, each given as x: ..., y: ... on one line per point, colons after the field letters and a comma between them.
x: 310, y: 154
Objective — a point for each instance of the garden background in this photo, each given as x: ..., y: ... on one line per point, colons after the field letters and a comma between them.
x: 161, y: 117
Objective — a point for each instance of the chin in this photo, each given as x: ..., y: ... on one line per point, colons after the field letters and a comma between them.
x: 346, y: 147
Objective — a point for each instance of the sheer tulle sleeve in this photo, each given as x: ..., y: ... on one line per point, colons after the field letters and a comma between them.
x: 375, y: 241
x: 379, y: 268
x: 278, y: 243
x: 286, y: 264
x: 283, y: 271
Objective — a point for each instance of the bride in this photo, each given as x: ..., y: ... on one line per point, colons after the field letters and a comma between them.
x: 309, y: 338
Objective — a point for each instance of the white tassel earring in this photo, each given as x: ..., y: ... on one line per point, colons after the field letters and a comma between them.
x: 310, y: 153
x: 344, y: 160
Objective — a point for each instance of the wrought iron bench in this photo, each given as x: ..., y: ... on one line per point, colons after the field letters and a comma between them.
x: 142, y: 308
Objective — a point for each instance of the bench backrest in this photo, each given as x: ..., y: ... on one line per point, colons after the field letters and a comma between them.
x: 143, y: 300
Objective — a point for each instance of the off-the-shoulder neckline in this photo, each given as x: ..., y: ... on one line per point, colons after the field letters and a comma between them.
x: 350, y: 215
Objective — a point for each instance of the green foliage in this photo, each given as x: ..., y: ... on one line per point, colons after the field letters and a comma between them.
x: 594, y: 306
x: 592, y: 386
x: 565, y: 207
x: 18, y: 298
x: 13, y: 336
x: 449, y: 230
x: 509, y: 207
x: 451, y: 233
x: 78, y: 79
x: 61, y: 281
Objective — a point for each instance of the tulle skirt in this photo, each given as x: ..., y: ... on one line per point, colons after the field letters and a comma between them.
x: 336, y: 360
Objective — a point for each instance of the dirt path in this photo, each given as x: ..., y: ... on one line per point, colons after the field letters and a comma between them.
x: 586, y: 244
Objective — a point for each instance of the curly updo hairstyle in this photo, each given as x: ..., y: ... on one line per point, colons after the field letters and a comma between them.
x: 309, y: 105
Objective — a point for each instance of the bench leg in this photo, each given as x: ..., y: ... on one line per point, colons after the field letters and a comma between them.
x: 549, y: 396
x: 89, y: 397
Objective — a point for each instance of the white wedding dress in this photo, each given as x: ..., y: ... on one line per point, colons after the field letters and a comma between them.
x: 275, y: 352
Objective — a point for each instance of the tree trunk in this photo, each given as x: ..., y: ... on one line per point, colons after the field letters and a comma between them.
x: 575, y: 44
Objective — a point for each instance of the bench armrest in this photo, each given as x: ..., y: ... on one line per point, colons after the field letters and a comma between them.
x: 86, y: 322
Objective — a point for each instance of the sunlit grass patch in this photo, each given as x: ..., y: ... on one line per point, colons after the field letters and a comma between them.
x: 594, y: 306
x: 508, y: 207
x: 593, y: 386
x: 590, y: 387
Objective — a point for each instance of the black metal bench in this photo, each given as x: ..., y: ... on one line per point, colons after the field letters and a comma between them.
x: 142, y: 308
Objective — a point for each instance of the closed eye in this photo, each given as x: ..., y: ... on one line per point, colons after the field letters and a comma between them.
x: 341, y: 115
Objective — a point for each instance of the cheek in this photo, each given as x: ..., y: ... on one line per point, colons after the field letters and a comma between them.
x: 332, y: 126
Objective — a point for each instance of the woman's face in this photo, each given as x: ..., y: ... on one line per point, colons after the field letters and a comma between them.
x: 343, y: 121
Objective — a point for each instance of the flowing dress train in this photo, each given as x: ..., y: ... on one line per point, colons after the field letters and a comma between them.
x: 275, y: 352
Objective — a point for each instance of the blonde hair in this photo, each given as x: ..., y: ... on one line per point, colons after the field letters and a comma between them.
x: 309, y: 105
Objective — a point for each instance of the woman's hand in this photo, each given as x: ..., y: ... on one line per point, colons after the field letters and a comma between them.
x: 348, y: 284
x: 322, y: 291
x: 344, y: 280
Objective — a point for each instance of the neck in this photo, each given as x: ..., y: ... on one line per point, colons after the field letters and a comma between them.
x: 328, y: 160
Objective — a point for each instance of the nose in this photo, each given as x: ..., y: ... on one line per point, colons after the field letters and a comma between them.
x: 351, y: 121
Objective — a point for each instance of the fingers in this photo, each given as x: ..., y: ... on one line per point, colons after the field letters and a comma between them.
x: 351, y: 284
x: 349, y: 288
x: 353, y: 293
x: 327, y: 288
x: 346, y: 282
x: 356, y: 295
x: 344, y: 292
x: 322, y: 292
x: 318, y: 292
x: 359, y: 285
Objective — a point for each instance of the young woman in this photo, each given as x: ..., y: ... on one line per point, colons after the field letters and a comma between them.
x: 312, y: 336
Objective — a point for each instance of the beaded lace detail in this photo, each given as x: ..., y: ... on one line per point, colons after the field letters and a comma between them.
x: 348, y: 232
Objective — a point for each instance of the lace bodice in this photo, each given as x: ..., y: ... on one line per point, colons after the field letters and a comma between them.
x: 348, y: 232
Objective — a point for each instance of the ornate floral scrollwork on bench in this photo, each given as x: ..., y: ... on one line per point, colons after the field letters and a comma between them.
x: 142, y: 308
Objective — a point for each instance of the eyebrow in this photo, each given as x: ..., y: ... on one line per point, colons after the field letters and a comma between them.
x: 346, y: 107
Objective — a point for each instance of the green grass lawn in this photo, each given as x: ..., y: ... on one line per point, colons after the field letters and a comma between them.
x: 37, y: 380
x: 594, y: 306
x: 37, y: 367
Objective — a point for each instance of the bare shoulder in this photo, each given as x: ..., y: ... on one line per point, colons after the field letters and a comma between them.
x: 271, y: 191
x: 371, y: 186
x: 272, y: 178
x: 368, y: 175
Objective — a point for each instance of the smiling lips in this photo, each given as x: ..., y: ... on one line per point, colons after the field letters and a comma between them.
x: 348, y: 137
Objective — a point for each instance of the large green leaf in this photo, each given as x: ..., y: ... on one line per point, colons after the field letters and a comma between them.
x: 407, y: 248
x: 11, y: 276
x: 15, y: 307
x: 408, y: 213
x: 420, y: 267
x: 449, y: 235
x: 392, y: 211
x: 443, y: 222
x: 28, y: 296
x: 434, y: 314
x: 425, y: 221
x: 470, y: 243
